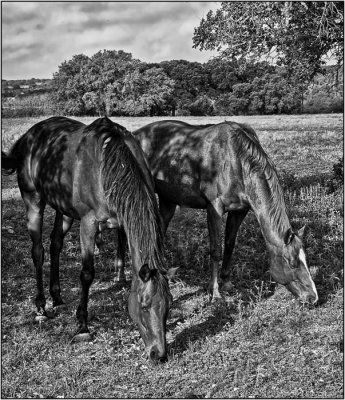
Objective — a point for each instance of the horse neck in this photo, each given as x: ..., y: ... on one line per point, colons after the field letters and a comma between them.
x: 146, y: 244
x: 268, y: 204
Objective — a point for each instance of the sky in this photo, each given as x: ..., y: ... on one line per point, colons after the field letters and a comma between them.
x: 38, y: 36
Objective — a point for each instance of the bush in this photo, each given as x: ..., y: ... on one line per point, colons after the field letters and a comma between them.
x: 337, y: 180
x: 202, y: 106
x: 28, y: 106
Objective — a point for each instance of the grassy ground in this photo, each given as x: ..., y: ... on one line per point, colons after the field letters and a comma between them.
x: 258, y: 342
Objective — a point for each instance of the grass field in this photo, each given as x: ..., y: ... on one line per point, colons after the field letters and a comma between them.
x: 256, y: 343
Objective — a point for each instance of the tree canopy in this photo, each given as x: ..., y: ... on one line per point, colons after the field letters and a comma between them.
x: 115, y: 83
x: 110, y: 82
x: 296, y: 34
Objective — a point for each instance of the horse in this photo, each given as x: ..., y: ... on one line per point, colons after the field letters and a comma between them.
x: 96, y: 174
x: 224, y: 169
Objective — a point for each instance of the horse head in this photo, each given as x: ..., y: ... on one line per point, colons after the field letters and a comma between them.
x: 148, y: 306
x: 288, y: 266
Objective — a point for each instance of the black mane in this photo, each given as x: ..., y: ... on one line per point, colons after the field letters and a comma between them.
x: 255, y: 161
x: 130, y: 197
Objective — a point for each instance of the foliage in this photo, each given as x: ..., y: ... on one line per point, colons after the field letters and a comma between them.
x: 297, y: 34
x: 109, y: 83
x: 338, y: 170
x: 145, y: 93
x: 325, y: 94
x: 203, y: 105
x: 336, y: 181
x: 114, y: 83
x: 28, y: 106
x: 191, y: 80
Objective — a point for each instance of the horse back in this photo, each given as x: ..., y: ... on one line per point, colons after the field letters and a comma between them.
x: 203, y: 157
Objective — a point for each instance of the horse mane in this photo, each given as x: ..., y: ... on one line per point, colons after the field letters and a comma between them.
x: 256, y: 161
x: 129, y: 195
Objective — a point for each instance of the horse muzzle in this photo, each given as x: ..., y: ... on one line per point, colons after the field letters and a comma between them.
x: 306, y: 295
x: 156, y: 356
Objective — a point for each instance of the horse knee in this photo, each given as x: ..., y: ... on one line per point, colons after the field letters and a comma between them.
x: 216, y: 255
x: 87, y: 276
x: 37, y: 253
x: 56, y: 243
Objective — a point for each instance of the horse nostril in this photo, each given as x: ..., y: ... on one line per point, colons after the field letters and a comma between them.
x: 156, y: 358
x: 311, y: 299
x: 153, y: 354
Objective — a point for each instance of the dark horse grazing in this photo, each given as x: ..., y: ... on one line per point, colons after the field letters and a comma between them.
x: 223, y: 168
x: 96, y: 174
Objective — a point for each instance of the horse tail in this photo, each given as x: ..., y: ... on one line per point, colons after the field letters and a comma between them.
x: 9, y: 163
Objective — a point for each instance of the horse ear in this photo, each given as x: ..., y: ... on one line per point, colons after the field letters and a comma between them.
x: 171, y: 273
x: 300, y: 232
x: 146, y: 273
x: 289, y: 235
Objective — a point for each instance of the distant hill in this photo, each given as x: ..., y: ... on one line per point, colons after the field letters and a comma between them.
x: 25, y: 87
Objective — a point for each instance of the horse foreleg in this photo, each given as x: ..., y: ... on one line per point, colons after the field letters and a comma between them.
x: 88, y: 230
x: 62, y: 225
x: 120, y: 256
x: 214, y: 222
x: 233, y: 223
x: 34, y: 211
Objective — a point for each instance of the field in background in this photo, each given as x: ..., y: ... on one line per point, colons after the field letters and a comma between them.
x: 256, y: 343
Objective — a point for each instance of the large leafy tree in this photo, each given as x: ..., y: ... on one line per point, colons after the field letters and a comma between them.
x: 297, y: 35
x: 191, y: 80
x: 68, y: 87
x: 146, y: 92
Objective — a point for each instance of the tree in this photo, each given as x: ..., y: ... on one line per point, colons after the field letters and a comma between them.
x: 239, y: 99
x: 68, y: 88
x: 92, y: 85
x: 103, y: 78
x: 191, y: 81
x: 297, y: 35
x: 145, y: 92
x: 203, y: 105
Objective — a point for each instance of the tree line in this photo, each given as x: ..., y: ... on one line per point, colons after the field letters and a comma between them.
x: 114, y: 83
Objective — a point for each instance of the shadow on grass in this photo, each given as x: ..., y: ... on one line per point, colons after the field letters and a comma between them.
x: 110, y: 304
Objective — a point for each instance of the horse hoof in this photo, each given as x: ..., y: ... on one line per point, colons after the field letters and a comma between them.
x: 41, y: 318
x: 82, y: 338
x: 50, y: 313
x: 216, y: 299
x: 228, y: 287
x: 59, y: 307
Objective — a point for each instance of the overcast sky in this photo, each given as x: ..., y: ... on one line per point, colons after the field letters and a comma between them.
x: 37, y: 37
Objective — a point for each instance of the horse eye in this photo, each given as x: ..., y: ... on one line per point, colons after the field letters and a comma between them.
x: 294, y: 264
x: 145, y: 309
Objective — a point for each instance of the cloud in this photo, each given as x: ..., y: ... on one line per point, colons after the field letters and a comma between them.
x: 37, y: 37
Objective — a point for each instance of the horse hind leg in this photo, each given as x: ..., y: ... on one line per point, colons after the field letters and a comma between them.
x: 62, y: 225
x: 34, y: 212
